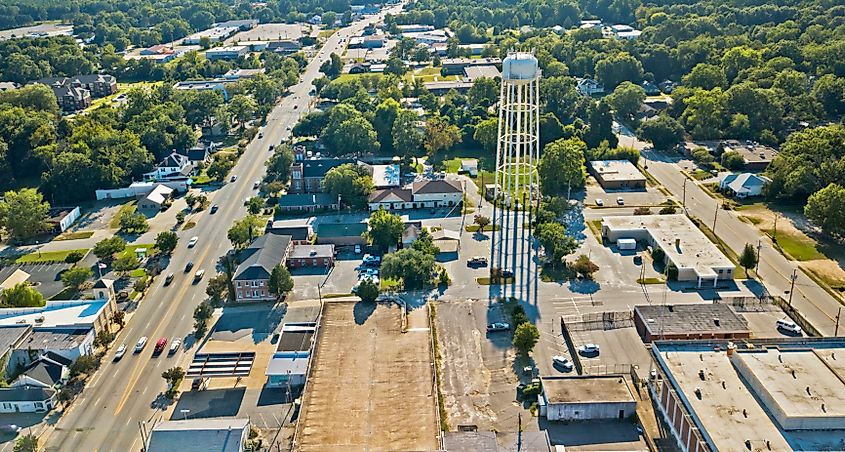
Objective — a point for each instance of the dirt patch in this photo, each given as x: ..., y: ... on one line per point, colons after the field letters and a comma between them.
x: 371, y: 385
x: 828, y: 271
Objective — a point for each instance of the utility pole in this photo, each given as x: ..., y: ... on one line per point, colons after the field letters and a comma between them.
x: 775, y: 233
x: 715, y: 216
x: 836, y: 330
x: 684, y: 202
x: 759, y: 247
x: 792, y: 285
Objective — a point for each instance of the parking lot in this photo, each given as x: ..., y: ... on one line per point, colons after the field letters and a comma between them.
x: 46, y: 277
x: 270, y: 32
x: 649, y: 196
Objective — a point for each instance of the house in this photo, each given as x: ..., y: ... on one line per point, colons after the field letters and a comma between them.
x: 617, y: 174
x: 359, y: 68
x: 667, y: 86
x: 67, y: 343
x: 48, y: 371
x: 470, y: 166
x: 289, y: 364
x: 226, y: 53
x: 341, y: 234
x: 743, y: 185
x: 307, y: 202
x: 201, y: 153
x: 155, y: 201
x: 251, y: 279
x: 391, y: 199
x: 173, y: 166
x: 61, y: 218
x: 588, y: 87
x: 195, y: 435
x: 6, y: 86
x: 27, y: 399
x: 314, y: 256
x: 622, y: 31
x: 315, y: 20
x: 437, y: 193
x: 411, y: 233
x: 650, y: 88
x: 300, y: 234
x: 306, y: 175
x: 11, y: 337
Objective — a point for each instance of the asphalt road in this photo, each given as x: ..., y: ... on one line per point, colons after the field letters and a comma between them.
x: 817, y: 306
x: 106, y: 416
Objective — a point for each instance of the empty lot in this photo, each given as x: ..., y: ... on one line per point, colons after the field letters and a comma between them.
x: 370, y: 386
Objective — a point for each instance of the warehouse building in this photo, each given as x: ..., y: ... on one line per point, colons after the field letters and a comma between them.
x: 584, y: 398
x: 689, y: 321
x: 617, y: 174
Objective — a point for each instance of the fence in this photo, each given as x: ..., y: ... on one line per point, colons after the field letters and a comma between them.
x: 608, y: 320
x: 765, y: 303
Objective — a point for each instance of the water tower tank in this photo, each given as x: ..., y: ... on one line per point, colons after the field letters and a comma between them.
x: 520, y: 66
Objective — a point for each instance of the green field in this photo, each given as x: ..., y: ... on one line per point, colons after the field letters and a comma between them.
x: 800, y: 248
x: 47, y: 256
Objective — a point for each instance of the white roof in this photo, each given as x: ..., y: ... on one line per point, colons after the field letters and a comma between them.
x: 292, y: 363
x: 159, y: 194
x: 386, y: 175
x: 73, y: 313
x: 18, y: 276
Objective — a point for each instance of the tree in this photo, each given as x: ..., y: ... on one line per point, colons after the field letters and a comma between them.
x: 103, y: 339
x: 806, y: 162
x: 22, y: 295
x: 244, y: 230
x: 242, y: 108
x: 385, y: 230
x: 332, y: 66
x: 702, y: 156
x: 217, y: 288
x: 351, y: 182
x: 425, y: 244
x: 385, y: 116
x: 555, y: 242
x: 173, y: 376
x: 329, y: 18
x: 126, y: 263
x: 482, y: 221
x: 664, y: 133
x: 24, y: 213
x: 601, y: 126
x: 395, y: 66
x: 617, y: 68
x: 76, y: 276
x: 106, y: 249
x: 705, y: 76
x: 484, y: 93
x: 825, y: 209
x: 412, y: 266
x: 133, y: 222
x: 26, y: 443
x: 281, y: 282
x: 626, y: 99
x: 440, y: 135
x: 254, y: 205
x: 748, y: 259
x: 202, y: 313
x: 118, y: 318
x: 367, y: 291
x: 407, y: 137
x: 562, y: 166
x: 166, y: 241
x: 487, y: 134
x: 584, y: 266
x: 525, y: 337
x: 642, y: 210
x: 355, y: 135
x: 733, y: 160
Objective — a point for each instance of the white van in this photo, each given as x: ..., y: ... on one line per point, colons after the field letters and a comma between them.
x: 789, y: 326
x: 141, y: 344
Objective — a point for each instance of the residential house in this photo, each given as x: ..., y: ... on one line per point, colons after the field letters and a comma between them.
x: 6, y: 86
x: 622, y: 31
x: 307, y: 174
x: 359, y: 68
x: 226, y: 53
x: 313, y: 256
x: 300, y: 233
x: 650, y: 88
x: 341, y: 234
x: 68, y: 343
x: 174, y: 166
x: 203, y: 434
x: 251, y: 279
x: 307, y: 202
x: 155, y: 201
x: 437, y: 193
x: 316, y: 19
x: 48, y: 371
x: 588, y: 87
x: 411, y: 233
x: 743, y: 185
x: 11, y: 337
x: 667, y: 86
x: 27, y: 399
x: 201, y: 153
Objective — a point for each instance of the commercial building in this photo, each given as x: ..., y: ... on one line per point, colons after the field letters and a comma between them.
x: 582, y: 398
x: 682, y: 243
x: 622, y: 31
x: 218, y: 84
x: 617, y: 174
x: 307, y: 202
x: 763, y: 394
x: 474, y: 73
x: 440, y: 88
x: 756, y: 156
x: 241, y: 74
x: 214, y: 34
x: 289, y: 364
x: 284, y: 47
x: 252, y: 276
x: 75, y: 93
x: 300, y: 232
x: 156, y: 200
x: 226, y: 53
x: 689, y: 321
x: 311, y: 256
x: 307, y: 173
x: 195, y: 435
x: 419, y: 195
x: 341, y: 234
x: 455, y: 66
x: 73, y: 314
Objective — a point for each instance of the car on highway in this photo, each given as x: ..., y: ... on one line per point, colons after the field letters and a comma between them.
x: 562, y: 363
x: 141, y: 344
x: 477, y: 261
x: 198, y: 275
x: 189, y: 266
x: 160, y: 344
x: 168, y: 279
x: 599, y: 202
x: 234, y: 177
x: 193, y: 241
x: 214, y: 208
x: 260, y: 136
x: 589, y: 349
x: 10, y: 428
x: 498, y: 326
x: 507, y: 273
x: 120, y: 352
x: 174, y: 346
x: 272, y: 146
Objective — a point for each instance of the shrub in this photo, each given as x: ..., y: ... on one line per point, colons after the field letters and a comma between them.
x: 73, y: 257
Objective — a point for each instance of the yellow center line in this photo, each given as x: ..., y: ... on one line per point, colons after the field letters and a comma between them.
x: 136, y: 372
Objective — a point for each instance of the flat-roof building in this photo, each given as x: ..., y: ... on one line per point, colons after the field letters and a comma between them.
x: 764, y: 394
x: 683, y: 244
x: 226, y: 53
x: 689, y: 321
x: 582, y: 397
x: 289, y: 365
x: 189, y: 435
x: 756, y: 156
x: 617, y: 174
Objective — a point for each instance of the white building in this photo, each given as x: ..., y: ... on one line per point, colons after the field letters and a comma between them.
x: 206, y: 434
x: 214, y: 34
x: 419, y: 195
x: 227, y: 53
x: 583, y: 397
x: 743, y: 185
x: 174, y: 165
x: 588, y: 87
x: 289, y: 365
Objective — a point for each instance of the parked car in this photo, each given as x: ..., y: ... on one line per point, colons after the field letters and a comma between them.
x: 599, y: 202
x: 10, y: 428
x: 193, y: 241
x: 272, y: 147
x: 255, y: 185
x: 620, y: 200
x: 214, y: 208
x: 507, y: 273
x: 477, y: 261
x: 120, y: 352
x: 371, y: 260
x: 260, y: 135
x: 189, y: 266
x: 168, y: 279
x: 562, y: 363
x: 160, y: 344
x: 141, y: 344
x: 498, y: 326
x: 589, y: 349
x: 199, y: 384
x: 234, y: 177
x: 357, y: 249
x: 789, y: 326
x: 174, y: 345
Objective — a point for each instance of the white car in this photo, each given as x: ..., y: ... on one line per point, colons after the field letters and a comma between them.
x: 141, y: 344
x: 120, y: 352
x: 589, y: 349
x: 562, y: 363
x: 620, y: 200
x: 193, y: 241
x: 174, y: 345
x: 789, y: 326
x: 599, y: 202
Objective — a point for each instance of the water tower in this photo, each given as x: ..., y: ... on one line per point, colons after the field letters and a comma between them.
x: 516, y: 183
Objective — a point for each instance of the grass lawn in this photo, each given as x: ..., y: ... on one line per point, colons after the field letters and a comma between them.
x: 128, y: 207
x: 556, y: 273
x: 337, y: 295
x: 327, y: 33
x: 130, y: 249
x: 650, y: 281
x: 700, y: 174
x: 485, y: 281
x: 74, y: 235
x: 798, y: 246
x: 138, y: 273
x: 48, y: 256
x: 474, y: 228
x: 189, y: 225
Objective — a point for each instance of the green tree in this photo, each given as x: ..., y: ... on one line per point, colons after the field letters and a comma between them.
x: 118, y: 318
x: 133, y: 222
x: 356, y: 136
x: 385, y: 229
x: 808, y: 162
x: 601, y: 126
x: 76, y: 277
x: 562, y: 166
x: 560, y: 97
x: 664, y: 133
x: 412, y: 266
x: 487, y: 134
x: 748, y: 258
x: 351, y: 182
x: 254, y: 205
x: 617, y: 68
x: 826, y: 209
x: 166, y: 241
x: 26, y: 443
x: 440, y: 135
x: 367, y: 291
x: 407, y: 137
x: 106, y: 249
x: 22, y: 295
x: 484, y: 93
x: 425, y: 244
x: 281, y: 282
x: 385, y: 117
x: 555, y: 242
x: 705, y: 76
x: 173, y: 376
x: 217, y: 288
x: 24, y: 213
x: 584, y: 266
x: 332, y: 66
x: 627, y: 99
x: 244, y: 230
x: 733, y: 160
x: 125, y: 263
x: 202, y: 313
x: 242, y: 108
x: 482, y: 221
x: 704, y: 113
x: 737, y: 59
x: 525, y: 337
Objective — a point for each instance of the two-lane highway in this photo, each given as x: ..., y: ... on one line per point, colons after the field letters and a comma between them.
x: 106, y: 415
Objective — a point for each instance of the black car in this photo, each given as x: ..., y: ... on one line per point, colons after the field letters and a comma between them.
x: 189, y: 266
x: 168, y: 279
x: 214, y: 208
x: 507, y: 274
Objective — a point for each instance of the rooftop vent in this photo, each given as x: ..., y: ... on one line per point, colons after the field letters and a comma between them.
x: 701, y: 374
x: 716, y: 321
x: 698, y: 393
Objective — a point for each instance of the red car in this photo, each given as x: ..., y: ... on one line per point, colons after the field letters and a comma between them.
x: 160, y: 346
